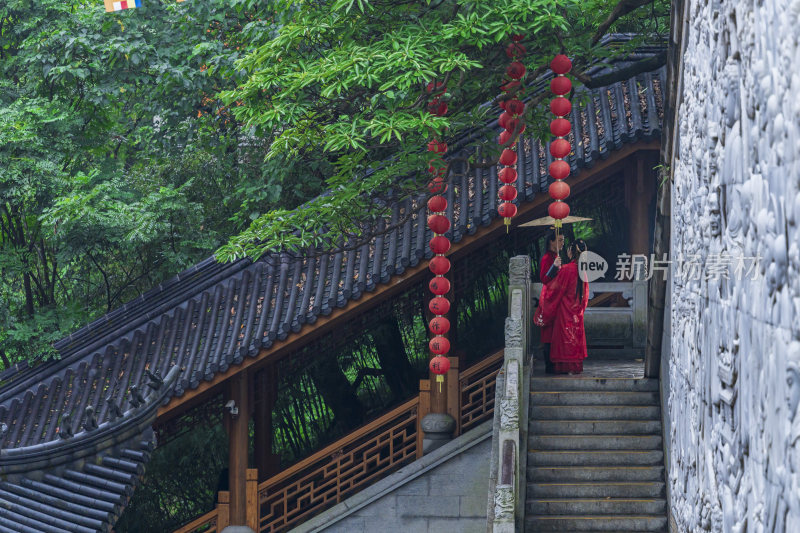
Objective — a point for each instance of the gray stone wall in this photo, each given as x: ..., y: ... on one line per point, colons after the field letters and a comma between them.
x: 734, y: 369
x: 443, y: 492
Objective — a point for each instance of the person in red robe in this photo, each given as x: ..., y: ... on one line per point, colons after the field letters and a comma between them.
x: 563, y: 304
x: 549, y: 258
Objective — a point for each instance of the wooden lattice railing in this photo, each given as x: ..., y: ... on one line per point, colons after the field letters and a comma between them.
x: 357, y: 460
x: 476, y: 385
x: 339, y: 470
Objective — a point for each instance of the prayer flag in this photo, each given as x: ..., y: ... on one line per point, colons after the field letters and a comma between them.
x: 119, y: 5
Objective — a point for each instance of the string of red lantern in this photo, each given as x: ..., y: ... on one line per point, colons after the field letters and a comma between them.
x: 560, y: 147
x: 439, y: 244
x: 510, y: 120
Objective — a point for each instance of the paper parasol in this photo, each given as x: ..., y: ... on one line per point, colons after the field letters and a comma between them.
x: 550, y: 221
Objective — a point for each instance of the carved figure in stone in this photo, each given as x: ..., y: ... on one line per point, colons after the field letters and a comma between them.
x: 504, y: 503
x: 509, y: 413
x: 513, y: 332
x: 519, y: 269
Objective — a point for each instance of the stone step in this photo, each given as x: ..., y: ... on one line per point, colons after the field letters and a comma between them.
x: 573, y: 383
x: 596, y: 412
x: 605, y: 506
x: 588, y: 427
x: 539, y: 398
x: 594, y: 442
x: 595, y: 457
x: 568, y: 474
x: 595, y: 523
x: 627, y: 489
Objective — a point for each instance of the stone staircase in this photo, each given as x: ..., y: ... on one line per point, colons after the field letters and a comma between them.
x: 595, y: 460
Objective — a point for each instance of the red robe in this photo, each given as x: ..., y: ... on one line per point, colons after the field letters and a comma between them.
x: 547, y: 261
x: 564, y: 311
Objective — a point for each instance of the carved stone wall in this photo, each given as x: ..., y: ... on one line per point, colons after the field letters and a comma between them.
x: 734, y: 369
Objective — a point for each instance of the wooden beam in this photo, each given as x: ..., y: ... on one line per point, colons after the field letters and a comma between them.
x: 397, y: 284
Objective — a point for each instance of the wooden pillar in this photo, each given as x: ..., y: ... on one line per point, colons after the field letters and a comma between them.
x: 638, y: 190
x: 223, y: 510
x: 265, y: 392
x: 423, y: 408
x: 454, y: 394
x: 238, y: 447
x: 252, y: 499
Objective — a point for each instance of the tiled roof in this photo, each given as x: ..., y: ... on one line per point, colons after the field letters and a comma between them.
x: 214, y: 315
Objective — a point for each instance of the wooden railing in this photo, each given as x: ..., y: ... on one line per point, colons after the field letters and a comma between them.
x: 477, y: 391
x: 339, y: 470
x: 354, y: 462
x: 213, y: 521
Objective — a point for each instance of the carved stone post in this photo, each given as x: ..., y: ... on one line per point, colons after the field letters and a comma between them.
x: 519, y: 290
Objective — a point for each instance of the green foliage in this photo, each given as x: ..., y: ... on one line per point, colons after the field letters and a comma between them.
x: 119, y: 166
x: 343, y: 81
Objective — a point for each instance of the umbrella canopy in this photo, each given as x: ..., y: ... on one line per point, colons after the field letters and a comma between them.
x: 550, y: 221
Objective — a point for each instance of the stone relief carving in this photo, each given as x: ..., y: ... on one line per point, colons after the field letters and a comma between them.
x: 734, y: 367
x: 509, y: 413
x: 513, y: 333
x: 519, y: 269
x: 504, y: 503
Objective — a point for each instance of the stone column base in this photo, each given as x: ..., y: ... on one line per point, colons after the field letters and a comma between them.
x: 237, y: 529
x: 437, y: 429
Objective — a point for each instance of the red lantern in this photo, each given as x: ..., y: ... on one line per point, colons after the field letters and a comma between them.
x: 437, y: 185
x: 507, y: 210
x: 508, y: 157
x: 558, y: 210
x: 437, y: 204
x: 507, y: 175
x: 560, y: 148
x: 439, y: 85
x: 515, y: 107
x: 439, y: 265
x: 502, y: 105
x: 439, y: 244
x: 435, y: 107
x: 505, y: 136
x: 558, y: 190
x: 560, y: 127
x: 560, y: 64
x: 437, y: 170
x: 439, y: 286
x: 439, y: 305
x: 561, y: 85
x: 515, y: 50
x: 507, y: 193
x: 559, y: 169
x: 440, y: 345
x: 510, y: 86
x: 438, y: 223
x: 515, y: 70
x: 439, y: 325
x: 439, y: 365
x: 503, y: 119
x: 517, y: 37
x: 437, y: 146
x: 511, y: 125
x: 560, y: 106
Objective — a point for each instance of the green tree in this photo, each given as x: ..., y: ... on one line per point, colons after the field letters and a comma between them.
x: 343, y: 82
x: 119, y: 166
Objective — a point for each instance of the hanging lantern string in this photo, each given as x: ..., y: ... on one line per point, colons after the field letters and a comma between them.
x: 512, y: 122
x: 560, y: 147
x: 439, y: 244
